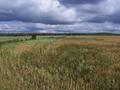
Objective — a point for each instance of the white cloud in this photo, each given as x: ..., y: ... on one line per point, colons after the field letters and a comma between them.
x: 45, y: 11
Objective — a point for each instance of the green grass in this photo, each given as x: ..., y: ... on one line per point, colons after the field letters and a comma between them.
x: 12, y: 41
x: 61, y: 63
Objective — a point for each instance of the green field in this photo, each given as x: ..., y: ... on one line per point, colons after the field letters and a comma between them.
x: 60, y: 63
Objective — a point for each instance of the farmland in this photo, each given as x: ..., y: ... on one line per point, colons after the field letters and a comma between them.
x: 60, y: 63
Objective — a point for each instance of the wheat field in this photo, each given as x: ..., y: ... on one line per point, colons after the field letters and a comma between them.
x: 60, y: 63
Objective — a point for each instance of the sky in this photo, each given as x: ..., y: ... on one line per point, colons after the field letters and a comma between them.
x: 60, y: 16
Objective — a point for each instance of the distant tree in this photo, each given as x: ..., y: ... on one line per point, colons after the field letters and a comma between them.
x: 34, y: 37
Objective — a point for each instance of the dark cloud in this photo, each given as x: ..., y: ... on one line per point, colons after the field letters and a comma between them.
x: 113, y: 18
x: 36, y: 11
x: 60, y: 15
x: 5, y: 17
x: 33, y: 18
x: 78, y: 28
x: 80, y: 1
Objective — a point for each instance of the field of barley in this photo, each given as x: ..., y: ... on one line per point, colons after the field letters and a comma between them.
x: 60, y: 63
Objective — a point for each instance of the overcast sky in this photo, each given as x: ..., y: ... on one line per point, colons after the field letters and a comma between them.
x: 79, y: 16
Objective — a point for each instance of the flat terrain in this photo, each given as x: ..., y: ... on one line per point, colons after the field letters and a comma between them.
x: 60, y: 63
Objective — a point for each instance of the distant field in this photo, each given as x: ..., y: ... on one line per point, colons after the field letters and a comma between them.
x: 60, y: 63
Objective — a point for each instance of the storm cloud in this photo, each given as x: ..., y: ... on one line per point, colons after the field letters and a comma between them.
x: 38, y: 11
x: 60, y: 16
x: 79, y: 1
